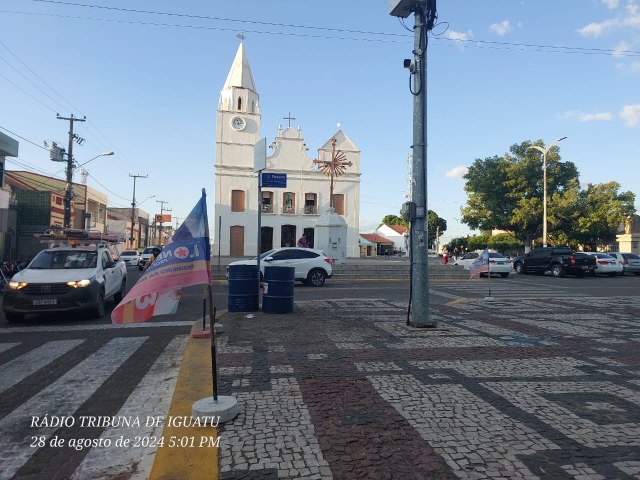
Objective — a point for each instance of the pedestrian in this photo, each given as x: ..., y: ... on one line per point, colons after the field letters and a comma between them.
x: 154, y: 254
x: 303, y: 242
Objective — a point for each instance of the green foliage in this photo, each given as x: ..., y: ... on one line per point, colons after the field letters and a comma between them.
x: 507, y: 193
x: 435, y: 224
x: 394, y: 220
x: 504, y: 243
x: 461, y: 243
x: 479, y: 242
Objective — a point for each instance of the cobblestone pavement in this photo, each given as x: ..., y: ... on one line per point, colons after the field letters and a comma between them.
x: 535, y: 388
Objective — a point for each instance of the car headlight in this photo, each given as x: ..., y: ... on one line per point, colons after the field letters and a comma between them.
x: 80, y: 283
x: 13, y: 285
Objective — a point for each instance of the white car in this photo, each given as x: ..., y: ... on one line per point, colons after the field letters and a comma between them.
x: 630, y: 262
x: 311, y: 265
x: 498, y: 264
x: 606, y: 264
x: 130, y: 257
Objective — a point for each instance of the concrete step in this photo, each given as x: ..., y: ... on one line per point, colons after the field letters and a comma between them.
x: 391, y: 271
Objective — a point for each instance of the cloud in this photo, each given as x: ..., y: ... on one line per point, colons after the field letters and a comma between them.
x: 596, y: 29
x: 453, y: 35
x: 457, y: 172
x: 611, y: 3
x: 631, y: 114
x: 621, y: 49
x: 501, y: 28
x: 633, y: 67
x: 587, y: 117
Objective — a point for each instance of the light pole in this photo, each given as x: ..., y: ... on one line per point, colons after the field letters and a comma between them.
x: 105, y: 154
x: 544, y: 186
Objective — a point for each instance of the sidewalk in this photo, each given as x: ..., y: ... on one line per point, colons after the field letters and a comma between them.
x: 544, y: 388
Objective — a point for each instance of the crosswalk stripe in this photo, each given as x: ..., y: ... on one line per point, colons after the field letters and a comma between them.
x: 152, y: 398
x: 61, y: 398
x: 21, y: 367
x: 106, y: 326
x: 7, y: 346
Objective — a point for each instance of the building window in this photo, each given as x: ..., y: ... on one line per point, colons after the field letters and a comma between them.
x: 338, y: 203
x: 267, y: 202
x: 239, y: 104
x: 310, y: 204
x: 288, y: 202
x: 237, y: 201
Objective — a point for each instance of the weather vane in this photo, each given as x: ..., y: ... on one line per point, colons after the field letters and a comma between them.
x: 334, y: 167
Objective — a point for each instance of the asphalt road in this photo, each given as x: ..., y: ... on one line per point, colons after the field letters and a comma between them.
x: 441, y: 291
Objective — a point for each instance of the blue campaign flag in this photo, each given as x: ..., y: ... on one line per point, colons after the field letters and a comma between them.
x: 481, y: 265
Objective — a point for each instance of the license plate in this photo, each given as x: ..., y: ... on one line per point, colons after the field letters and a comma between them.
x: 585, y: 267
x: 45, y: 301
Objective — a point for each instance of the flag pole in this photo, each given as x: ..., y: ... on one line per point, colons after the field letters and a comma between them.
x: 214, y: 364
x: 221, y: 407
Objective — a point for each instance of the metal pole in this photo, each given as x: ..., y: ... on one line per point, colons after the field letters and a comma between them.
x: 133, y: 208
x: 419, y: 314
x: 544, y: 197
x: 259, y: 243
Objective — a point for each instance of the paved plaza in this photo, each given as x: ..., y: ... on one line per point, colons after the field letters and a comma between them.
x: 500, y: 389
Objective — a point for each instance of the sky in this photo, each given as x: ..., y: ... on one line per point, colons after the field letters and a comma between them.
x: 147, y: 75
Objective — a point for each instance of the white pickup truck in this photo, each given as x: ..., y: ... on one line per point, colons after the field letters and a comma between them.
x: 66, y: 279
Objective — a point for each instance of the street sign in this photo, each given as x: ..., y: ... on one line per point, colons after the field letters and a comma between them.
x: 260, y: 155
x: 274, y: 180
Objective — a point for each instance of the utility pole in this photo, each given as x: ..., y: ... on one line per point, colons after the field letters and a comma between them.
x: 417, y: 212
x: 68, y: 193
x: 162, y: 210
x: 133, y: 208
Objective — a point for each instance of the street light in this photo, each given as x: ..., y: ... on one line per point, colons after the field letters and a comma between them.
x: 105, y: 154
x: 544, y: 186
x: 68, y: 195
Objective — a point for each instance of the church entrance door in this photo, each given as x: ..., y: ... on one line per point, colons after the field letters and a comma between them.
x: 236, y: 241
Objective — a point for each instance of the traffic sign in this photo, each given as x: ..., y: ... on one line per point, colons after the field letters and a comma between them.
x: 274, y: 180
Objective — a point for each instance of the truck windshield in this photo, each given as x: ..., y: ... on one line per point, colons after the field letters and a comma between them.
x: 64, y: 259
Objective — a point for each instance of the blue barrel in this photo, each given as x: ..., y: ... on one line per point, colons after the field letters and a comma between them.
x: 243, y: 288
x: 278, y: 289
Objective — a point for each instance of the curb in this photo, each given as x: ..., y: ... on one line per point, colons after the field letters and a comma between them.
x: 181, y: 456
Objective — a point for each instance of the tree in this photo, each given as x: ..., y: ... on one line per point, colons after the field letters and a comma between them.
x: 602, y: 209
x: 479, y: 242
x: 504, y: 243
x: 507, y: 192
x: 394, y: 220
x: 435, y: 224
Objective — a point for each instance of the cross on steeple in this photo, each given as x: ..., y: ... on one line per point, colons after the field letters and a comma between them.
x: 289, y: 117
x: 334, y: 167
x: 240, y: 35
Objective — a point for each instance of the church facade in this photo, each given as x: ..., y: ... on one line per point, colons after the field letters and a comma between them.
x: 286, y: 212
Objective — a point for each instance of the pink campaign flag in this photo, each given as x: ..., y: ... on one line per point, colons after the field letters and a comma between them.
x: 183, y: 262
x: 481, y: 264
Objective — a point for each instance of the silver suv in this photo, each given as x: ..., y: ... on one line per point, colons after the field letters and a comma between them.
x: 630, y: 262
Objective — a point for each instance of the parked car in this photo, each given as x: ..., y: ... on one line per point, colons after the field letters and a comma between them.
x: 499, y: 264
x: 630, y: 262
x: 130, y: 257
x: 146, y: 255
x: 606, y: 264
x: 312, y: 266
x: 467, y: 259
x: 65, y: 279
x: 558, y: 260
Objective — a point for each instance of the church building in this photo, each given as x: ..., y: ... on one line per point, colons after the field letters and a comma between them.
x: 287, y: 212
